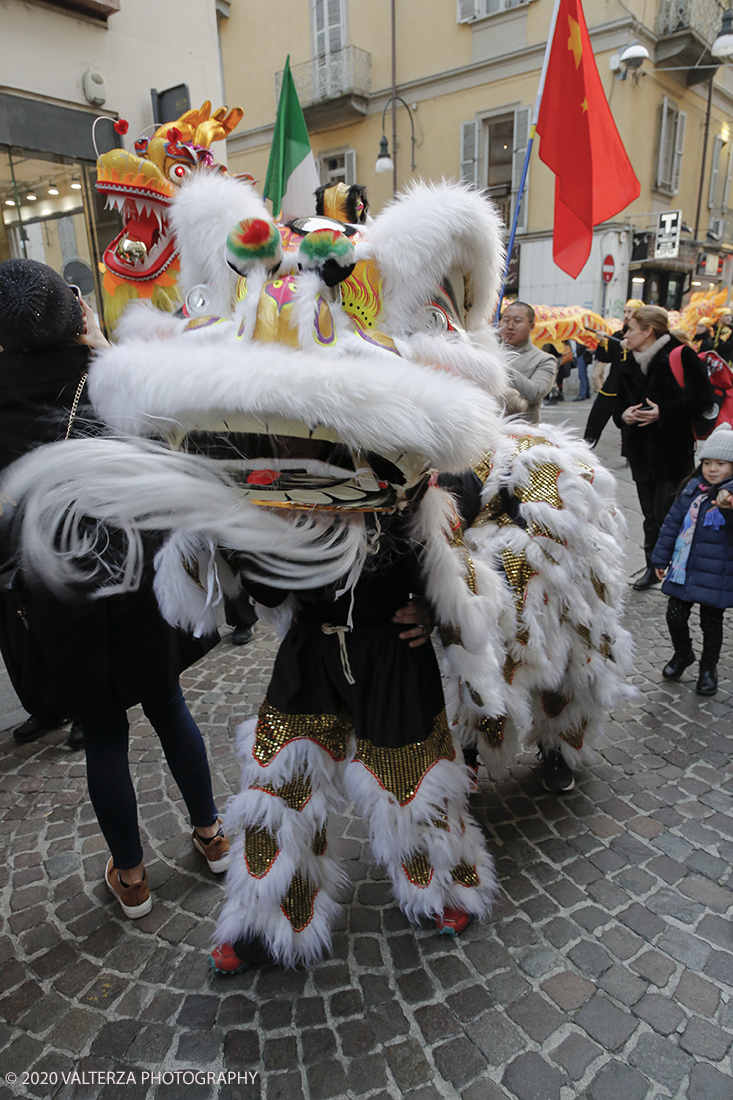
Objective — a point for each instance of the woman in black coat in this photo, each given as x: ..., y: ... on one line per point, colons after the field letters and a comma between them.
x: 656, y: 415
x: 93, y: 659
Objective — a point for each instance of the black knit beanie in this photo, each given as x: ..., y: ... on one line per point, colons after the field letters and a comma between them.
x: 37, y: 308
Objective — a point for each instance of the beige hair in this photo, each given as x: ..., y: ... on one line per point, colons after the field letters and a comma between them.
x: 653, y: 317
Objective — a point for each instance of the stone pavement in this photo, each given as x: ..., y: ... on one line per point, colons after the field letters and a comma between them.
x: 605, y: 974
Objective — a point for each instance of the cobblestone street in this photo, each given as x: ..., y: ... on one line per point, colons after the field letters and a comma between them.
x: 606, y: 972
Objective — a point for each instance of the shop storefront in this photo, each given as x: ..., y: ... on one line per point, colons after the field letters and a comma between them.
x: 51, y: 211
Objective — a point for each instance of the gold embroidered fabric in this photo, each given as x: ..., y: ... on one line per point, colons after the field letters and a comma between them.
x: 401, y: 771
x: 539, y: 529
x: 441, y: 821
x: 599, y: 586
x: 465, y: 874
x: 553, y: 703
x: 456, y: 539
x: 295, y: 793
x: 584, y: 633
x: 574, y: 737
x: 519, y: 573
x: 524, y: 442
x: 499, y: 519
x: 542, y: 486
x: 297, y: 905
x: 260, y: 851
x: 588, y: 471
x: 510, y: 667
x: 320, y: 842
x: 605, y: 648
x: 418, y: 870
x: 275, y: 730
x: 482, y: 469
x: 492, y: 729
x: 475, y: 697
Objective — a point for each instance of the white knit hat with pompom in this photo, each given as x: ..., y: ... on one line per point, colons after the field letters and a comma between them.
x: 719, y: 444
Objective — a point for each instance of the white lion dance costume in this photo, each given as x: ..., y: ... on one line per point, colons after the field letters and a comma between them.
x: 328, y: 379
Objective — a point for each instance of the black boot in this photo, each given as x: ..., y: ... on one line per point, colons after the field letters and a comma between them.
x: 707, y: 681
x: 646, y: 580
x: 678, y: 664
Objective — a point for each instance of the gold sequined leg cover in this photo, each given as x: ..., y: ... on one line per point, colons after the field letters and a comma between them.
x: 282, y: 884
x: 414, y: 799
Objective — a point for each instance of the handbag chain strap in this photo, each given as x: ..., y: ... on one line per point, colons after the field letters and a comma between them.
x: 75, y: 404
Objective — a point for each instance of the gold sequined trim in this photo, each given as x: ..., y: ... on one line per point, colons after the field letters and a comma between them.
x: 510, y: 667
x: 298, y: 903
x: 499, y: 519
x: 599, y: 586
x: 275, y: 730
x: 418, y: 870
x: 492, y: 729
x: 553, y: 703
x: 449, y: 634
x: 605, y: 648
x: 524, y: 442
x: 260, y: 851
x: 588, y: 471
x: 192, y: 568
x: 465, y: 874
x: 295, y: 793
x: 401, y: 771
x: 456, y: 540
x: 539, y: 529
x: 574, y: 737
x: 519, y: 573
x: 584, y: 633
x: 441, y: 821
x: 542, y: 486
x: 320, y: 842
x: 482, y: 469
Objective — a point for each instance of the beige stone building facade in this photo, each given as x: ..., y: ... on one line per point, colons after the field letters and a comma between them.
x: 467, y: 72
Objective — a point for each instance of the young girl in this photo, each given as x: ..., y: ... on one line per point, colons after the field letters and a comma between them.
x: 696, y: 545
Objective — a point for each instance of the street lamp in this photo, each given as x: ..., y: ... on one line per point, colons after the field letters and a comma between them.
x: 385, y: 162
x: 723, y: 44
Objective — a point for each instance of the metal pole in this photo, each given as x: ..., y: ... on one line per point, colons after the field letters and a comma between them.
x: 704, y: 155
x: 394, y: 102
x: 525, y: 166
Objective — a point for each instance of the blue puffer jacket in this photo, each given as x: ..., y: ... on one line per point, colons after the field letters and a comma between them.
x: 709, y: 566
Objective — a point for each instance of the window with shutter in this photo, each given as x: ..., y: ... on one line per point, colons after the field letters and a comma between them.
x: 467, y: 10
x: 522, y: 123
x: 728, y: 179
x: 679, y: 147
x: 715, y: 171
x: 350, y: 166
x: 469, y: 152
x: 328, y: 27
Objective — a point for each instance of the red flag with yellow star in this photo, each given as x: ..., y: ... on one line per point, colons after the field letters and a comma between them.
x: 580, y: 143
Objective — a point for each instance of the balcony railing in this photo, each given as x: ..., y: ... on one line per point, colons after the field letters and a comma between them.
x: 702, y: 17
x: 336, y: 84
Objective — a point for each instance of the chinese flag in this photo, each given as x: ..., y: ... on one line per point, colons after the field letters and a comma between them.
x: 580, y: 143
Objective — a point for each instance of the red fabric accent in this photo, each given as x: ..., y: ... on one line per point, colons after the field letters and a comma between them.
x: 594, y: 179
x: 675, y: 362
x: 121, y: 126
x: 174, y: 135
x: 255, y: 232
x: 262, y: 477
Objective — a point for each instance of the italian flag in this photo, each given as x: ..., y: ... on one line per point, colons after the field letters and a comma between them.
x: 292, y: 178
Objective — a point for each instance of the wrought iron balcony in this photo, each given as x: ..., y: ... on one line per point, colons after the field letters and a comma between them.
x: 686, y: 29
x: 332, y: 89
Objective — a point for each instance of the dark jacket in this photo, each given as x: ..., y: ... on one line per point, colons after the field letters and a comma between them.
x: 81, y: 658
x: 664, y: 450
x: 709, y: 568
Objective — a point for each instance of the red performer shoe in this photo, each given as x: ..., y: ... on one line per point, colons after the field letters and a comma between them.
x: 224, y: 960
x: 452, y: 922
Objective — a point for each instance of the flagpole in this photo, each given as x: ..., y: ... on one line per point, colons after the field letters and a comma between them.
x: 525, y: 166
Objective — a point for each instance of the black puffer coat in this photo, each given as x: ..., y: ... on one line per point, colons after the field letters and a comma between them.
x: 664, y: 450
x: 709, y: 568
x: 75, y: 659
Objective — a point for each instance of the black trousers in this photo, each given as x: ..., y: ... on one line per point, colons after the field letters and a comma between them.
x: 711, y: 624
x: 655, y: 498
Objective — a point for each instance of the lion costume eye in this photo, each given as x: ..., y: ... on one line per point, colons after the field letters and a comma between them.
x: 433, y: 319
x: 178, y: 172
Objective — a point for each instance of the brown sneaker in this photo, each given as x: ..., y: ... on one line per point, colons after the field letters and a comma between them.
x: 134, y: 898
x: 215, y: 851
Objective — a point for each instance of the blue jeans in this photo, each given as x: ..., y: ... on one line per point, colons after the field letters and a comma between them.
x: 106, y: 738
x: 584, y: 390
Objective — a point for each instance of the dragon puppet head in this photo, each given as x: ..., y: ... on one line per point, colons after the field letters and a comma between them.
x: 321, y: 371
x: 142, y: 260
